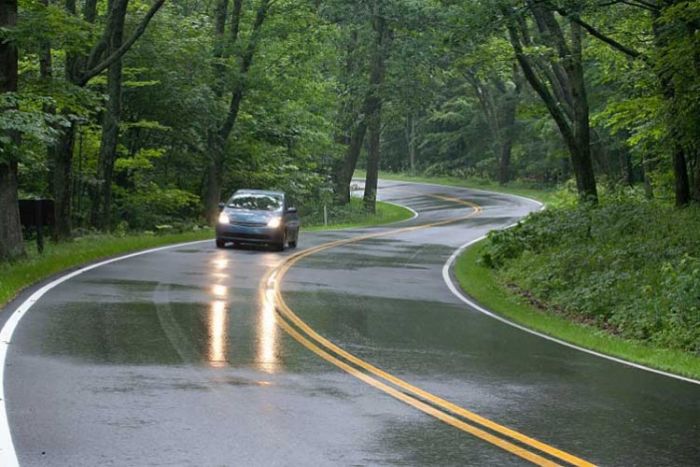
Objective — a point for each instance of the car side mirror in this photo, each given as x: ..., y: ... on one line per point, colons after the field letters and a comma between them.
x: 221, y: 206
x: 292, y: 210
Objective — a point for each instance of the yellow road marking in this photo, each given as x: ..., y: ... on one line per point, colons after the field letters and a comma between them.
x: 422, y: 406
x: 274, y: 280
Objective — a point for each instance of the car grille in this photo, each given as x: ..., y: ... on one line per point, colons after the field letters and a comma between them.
x: 249, y: 224
x: 252, y: 236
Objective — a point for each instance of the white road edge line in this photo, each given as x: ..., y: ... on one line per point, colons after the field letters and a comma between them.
x: 415, y: 213
x: 447, y: 277
x: 8, y: 456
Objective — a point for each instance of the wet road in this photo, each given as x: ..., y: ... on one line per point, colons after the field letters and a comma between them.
x: 178, y: 357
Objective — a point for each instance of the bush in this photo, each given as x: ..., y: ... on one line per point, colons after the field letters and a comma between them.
x: 627, y: 266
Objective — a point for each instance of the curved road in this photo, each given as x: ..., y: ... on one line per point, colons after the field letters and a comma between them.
x: 178, y: 357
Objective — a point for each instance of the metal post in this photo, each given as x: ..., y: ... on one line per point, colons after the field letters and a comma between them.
x: 325, y: 215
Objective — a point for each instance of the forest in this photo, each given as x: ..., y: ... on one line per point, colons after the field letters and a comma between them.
x: 130, y: 114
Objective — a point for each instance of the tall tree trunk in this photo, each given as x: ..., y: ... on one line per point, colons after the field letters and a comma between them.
x: 680, y: 172
x: 62, y: 157
x: 214, y: 179
x: 574, y: 128
x: 11, y: 245
x: 410, y: 133
x: 374, y: 107
x: 680, y: 167
x: 373, y: 154
x: 347, y: 168
x: 111, y: 118
x: 696, y: 184
x: 582, y: 162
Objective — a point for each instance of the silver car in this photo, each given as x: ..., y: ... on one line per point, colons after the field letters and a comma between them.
x: 258, y: 216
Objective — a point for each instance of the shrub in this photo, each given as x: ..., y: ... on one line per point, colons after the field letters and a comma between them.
x: 628, y: 266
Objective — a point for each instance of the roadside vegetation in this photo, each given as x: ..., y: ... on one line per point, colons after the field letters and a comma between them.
x: 622, y: 278
x: 494, y: 289
x: 354, y: 215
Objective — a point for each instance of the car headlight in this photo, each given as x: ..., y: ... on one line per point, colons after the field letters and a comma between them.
x: 223, y: 218
x: 274, y: 222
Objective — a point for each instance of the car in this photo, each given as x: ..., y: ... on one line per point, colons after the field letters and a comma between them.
x: 258, y: 216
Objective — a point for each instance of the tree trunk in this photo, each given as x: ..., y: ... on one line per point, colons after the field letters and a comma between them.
x: 374, y: 126
x: 680, y: 172
x: 374, y: 107
x: 696, y: 185
x: 680, y: 167
x: 582, y: 163
x: 214, y: 179
x: 11, y: 244
x: 411, y: 143
x: 62, y: 156
x: 574, y: 128
x: 344, y: 175
x: 111, y: 118
x: 79, y: 70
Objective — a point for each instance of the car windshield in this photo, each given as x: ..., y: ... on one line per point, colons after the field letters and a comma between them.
x: 256, y: 202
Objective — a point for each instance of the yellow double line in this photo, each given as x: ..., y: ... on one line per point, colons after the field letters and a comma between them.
x: 394, y: 386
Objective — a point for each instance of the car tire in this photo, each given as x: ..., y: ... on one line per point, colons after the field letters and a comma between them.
x: 220, y: 243
x: 280, y: 246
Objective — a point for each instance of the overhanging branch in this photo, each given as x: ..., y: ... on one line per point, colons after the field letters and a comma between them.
x: 119, y: 53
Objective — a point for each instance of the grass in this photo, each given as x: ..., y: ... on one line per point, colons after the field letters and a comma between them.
x: 356, y: 216
x: 16, y: 276
x: 483, y: 284
x: 513, y: 188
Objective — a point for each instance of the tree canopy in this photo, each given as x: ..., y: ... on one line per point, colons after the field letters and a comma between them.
x: 136, y: 113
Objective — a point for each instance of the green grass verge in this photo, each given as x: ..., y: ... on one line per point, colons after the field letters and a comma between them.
x: 513, y: 188
x: 482, y: 284
x: 356, y: 216
x: 18, y: 275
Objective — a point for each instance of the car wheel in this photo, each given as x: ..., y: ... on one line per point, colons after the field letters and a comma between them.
x: 280, y: 246
x: 220, y: 243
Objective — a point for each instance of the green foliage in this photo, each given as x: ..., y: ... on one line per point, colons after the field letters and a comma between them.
x: 627, y: 266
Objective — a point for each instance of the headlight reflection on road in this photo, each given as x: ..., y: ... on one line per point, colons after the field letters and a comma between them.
x: 219, y: 291
x: 217, y: 319
x: 218, y: 334
x: 267, y: 329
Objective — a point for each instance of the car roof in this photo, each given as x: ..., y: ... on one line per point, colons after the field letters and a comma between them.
x: 258, y: 192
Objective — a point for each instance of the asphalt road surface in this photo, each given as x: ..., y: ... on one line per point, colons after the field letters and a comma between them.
x: 185, y: 356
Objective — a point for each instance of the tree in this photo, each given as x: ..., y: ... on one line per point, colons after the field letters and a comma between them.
x: 102, y: 204
x: 559, y: 83
x: 11, y: 245
x: 220, y: 135
x: 80, y: 68
x: 373, y: 102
